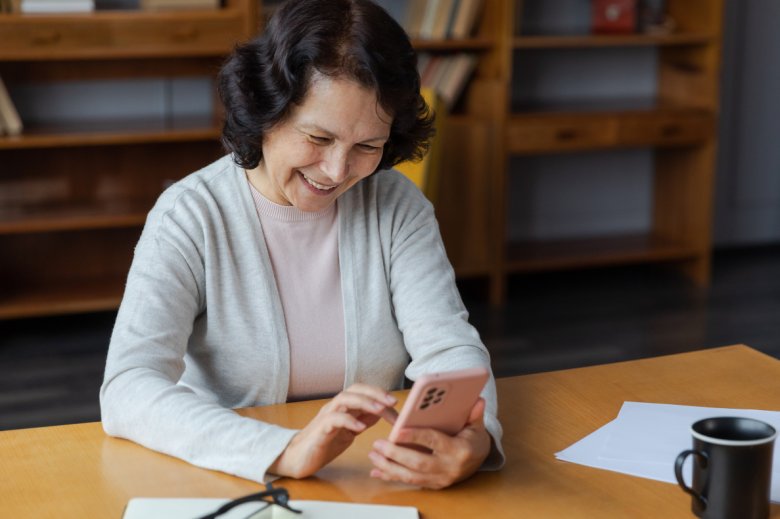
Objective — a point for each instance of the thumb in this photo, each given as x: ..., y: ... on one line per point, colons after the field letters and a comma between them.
x: 477, y: 416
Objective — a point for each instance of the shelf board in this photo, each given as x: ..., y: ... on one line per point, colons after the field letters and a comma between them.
x: 594, y: 252
x: 612, y: 105
x: 92, y: 296
x: 120, y: 34
x: 604, y: 40
x: 102, y: 133
x: 120, y: 15
x: 466, y: 44
x: 55, y: 218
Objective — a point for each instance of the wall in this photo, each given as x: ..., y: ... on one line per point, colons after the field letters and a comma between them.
x: 748, y: 184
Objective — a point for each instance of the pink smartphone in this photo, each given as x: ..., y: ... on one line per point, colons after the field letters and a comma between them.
x: 441, y: 401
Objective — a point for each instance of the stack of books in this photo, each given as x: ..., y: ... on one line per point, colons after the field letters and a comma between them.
x: 446, y: 74
x: 10, y: 122
x: 155, y: 5
x: 441, y: 19
x: 57, y: 6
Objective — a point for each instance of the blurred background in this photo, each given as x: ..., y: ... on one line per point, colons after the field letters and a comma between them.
x: 606, y: 177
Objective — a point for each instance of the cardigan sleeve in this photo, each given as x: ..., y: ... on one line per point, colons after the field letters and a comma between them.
x: 142, y: 398
x: 428, y: 306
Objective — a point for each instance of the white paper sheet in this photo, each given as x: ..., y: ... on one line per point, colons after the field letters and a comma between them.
x: 187, y: 508
x: 645, y: 439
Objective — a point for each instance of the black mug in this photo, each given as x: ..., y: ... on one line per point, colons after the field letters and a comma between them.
x: 732, y: 468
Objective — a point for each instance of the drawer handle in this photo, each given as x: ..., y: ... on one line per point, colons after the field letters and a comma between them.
x: 671, y: 130
x: 46, y: 38
x: 566, y: 134
x: 186, y: 34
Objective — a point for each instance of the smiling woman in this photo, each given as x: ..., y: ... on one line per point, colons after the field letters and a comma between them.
x: 324, y: 147
x: 300, y: 266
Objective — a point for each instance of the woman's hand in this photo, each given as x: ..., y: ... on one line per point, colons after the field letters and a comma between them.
x: 452, y: 458
x: 333, y: 429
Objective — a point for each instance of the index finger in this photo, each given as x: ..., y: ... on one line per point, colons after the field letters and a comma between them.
x: 374, y: 392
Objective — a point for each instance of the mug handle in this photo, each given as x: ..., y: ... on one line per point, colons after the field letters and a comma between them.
x: 678, y: 465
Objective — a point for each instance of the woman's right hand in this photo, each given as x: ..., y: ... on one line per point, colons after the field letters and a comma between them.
x: 334, y: 429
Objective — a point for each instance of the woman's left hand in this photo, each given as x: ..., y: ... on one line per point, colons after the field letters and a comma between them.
x: 451, y: 458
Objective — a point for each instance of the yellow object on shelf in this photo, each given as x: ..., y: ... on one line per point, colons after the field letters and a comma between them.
x: 424, y: 173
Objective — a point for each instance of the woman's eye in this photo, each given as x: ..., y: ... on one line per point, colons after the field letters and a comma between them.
x: 319, y: 140
x: 369, y: 148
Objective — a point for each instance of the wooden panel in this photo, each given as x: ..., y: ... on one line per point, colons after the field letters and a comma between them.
x: 690, y: 76
x: 68, y: 188
x: 67, y: 216
x: 595, y: 252
x: 463, y: 207
x: 62, y: 272
x: 594, y: 41
x: 125, y: 34
x: 46, y: 70
x: 114, y: 131
x: 683, y: 203
x: 547, y: 133
x: 658, y: 129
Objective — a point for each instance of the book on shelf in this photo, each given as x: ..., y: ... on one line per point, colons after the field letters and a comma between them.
x: 454, y: 80
x: 447, y: 74
x: 10, y: 122
x: 154, y: 5
x: 429, y: 18
x: 437, y: 19
x: 442, y: 20
x: 57, y: 6
x: 465, y: 17
x: 415, y: 12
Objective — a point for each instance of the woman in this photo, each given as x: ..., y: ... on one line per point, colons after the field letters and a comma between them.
x: 298, y: 268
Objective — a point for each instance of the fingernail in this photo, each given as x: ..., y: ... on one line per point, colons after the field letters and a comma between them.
x: 379, y: 444
x: 390, y: 399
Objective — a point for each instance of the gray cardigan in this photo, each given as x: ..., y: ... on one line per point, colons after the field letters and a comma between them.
x: 201, y: 331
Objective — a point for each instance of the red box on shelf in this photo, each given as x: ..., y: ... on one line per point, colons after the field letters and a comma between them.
x: 614, y: 16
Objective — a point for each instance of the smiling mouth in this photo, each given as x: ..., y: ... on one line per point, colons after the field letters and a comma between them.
x: 317, y: 185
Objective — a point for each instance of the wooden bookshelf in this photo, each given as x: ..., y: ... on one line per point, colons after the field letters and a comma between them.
x: 82, y: 190
x: 74, y: 196
x: 678, y: 124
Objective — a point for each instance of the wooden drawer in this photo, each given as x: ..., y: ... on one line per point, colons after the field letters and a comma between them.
x: 119, y: 35
x: 186, y: 36
x: 50, y: 39
x: 540, y: 134
x: 665, y: 129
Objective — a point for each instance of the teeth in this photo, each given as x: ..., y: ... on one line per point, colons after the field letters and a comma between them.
x: 317, y: 184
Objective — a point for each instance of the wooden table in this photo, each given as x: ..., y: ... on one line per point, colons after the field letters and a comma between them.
x: 77, y: 471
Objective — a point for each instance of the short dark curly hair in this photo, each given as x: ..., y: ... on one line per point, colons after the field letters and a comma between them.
x: 354, y: 39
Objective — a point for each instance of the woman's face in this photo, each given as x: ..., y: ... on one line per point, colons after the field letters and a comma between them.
x: 327, y: 144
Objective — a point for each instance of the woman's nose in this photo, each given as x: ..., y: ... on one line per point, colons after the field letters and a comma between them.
x: 336, y: 165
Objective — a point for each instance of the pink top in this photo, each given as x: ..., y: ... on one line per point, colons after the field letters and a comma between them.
x: 304, y: 250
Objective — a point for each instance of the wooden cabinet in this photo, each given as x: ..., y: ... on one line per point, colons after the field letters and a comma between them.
x: 469, y: 164
x: 74, y: 196
x: 678, y: 123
